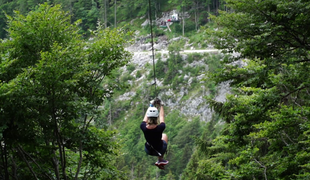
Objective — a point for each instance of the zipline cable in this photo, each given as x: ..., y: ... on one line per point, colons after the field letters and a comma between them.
x: 152, y: 42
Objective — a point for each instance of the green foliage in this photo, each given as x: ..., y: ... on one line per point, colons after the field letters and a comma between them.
x: 51, y: 89
x: 194, y: 57
x: 266, y: 135
x: 120, y: 13
x: 190, y: 26
x: 174, y: 64
x: 182, y: 134
x: 199, y: 40
x: 130, y: 68
x: 160, y: 70
x: 138, y: 75
x: 183, y: 144
x: 48, y: 73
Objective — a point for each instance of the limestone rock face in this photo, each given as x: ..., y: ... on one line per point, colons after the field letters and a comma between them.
x: 190, y: 102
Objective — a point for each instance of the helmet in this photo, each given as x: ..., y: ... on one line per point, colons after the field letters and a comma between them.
x: 152, y: 112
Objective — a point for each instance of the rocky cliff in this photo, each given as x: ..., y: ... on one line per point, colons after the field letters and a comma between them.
x: 189, y: 97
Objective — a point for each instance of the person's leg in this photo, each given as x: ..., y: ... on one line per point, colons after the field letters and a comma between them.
x: 146, y: 150
x: 165, y: 138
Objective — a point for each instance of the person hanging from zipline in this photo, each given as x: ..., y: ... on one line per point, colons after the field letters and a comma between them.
x: 156, y: 140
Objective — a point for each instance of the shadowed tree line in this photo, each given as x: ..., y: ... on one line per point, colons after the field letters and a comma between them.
x: 266, y: 133
x: 114, y: 13
x: 50, y: 90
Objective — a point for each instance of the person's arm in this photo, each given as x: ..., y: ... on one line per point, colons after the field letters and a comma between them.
x: 162, y: 114
x: 145, y: 117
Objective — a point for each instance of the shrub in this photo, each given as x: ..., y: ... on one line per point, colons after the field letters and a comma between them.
x: 130, y: 67
x: 194, y: 57
x: 138, y: 75
x: 160, y: 68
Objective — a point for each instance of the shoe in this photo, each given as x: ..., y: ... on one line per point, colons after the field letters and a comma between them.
x: 164, y: 162
x: 159, y: 166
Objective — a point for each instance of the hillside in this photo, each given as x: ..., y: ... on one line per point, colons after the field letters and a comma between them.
x: 73, y: 91
x: 182, y: 83
x: 135, y: 15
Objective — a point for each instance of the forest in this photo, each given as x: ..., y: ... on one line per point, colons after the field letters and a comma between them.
x: 115, y: 13
x: 64, y: 68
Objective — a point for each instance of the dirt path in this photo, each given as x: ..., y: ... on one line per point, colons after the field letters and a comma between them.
x: 182, y: 52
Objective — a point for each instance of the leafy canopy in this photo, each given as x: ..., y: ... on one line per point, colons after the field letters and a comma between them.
x: 51, y: 87
x: 267, y: 114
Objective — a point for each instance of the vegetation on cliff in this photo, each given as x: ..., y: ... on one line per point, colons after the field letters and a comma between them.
x: 71, y: 109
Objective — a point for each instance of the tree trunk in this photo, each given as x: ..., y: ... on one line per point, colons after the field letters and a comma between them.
x: 26, y: 161
x: 115, y: 25
x: 196, y: 18
x: 105, y: 14
x: 183, y: 22
x: 132, y: 171
x: 155, y: 10
x: 209, y: 11
x: 70, y: 6
x: 56, y: 165
x: 80, y: 160
x: 5, y: 161
x: 217, y: 7
x: 110, y: 115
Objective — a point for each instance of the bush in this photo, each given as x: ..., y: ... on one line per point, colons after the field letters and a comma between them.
x: 138, y: 75
x: 160, y: 68
x: 176, y: 46
x: 178, y: 28
x: 189, y: 26
x: 194, y: 57
x: 212, y: 88
x: 130, y: 67
x: 214, y: 63
x: 126, y: 77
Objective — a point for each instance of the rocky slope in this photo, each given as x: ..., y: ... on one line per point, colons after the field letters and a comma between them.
x: 194, y: 104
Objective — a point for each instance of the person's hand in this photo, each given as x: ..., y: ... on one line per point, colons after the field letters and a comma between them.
x: 161, y: 103
x: 158, y: 102
x: 152, y: 102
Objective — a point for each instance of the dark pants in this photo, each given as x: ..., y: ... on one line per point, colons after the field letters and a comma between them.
x: 152, y: 152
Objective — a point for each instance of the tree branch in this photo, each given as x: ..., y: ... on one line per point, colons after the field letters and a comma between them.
x: 14, y: 169
x: 305, y: 60
x: 80, y: 161
x: 33, y: 160
x: 261, y: 165
x: 288, y: 137
x: 283, y: 140
x: 86, y: 124
x: 298, y: 89
x: 28, y: 165
x: 56, y: 166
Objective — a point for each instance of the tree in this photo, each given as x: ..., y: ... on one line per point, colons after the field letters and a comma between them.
x: 115, y: 8
x: 87, y: 11
x: 50, y: 92
x: 267, y: 115
x: 5, y: 7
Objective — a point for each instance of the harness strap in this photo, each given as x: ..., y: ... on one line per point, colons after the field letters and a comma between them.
x: 153, y: 148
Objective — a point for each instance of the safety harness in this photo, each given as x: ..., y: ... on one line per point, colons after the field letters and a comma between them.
x: 153, y: 148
